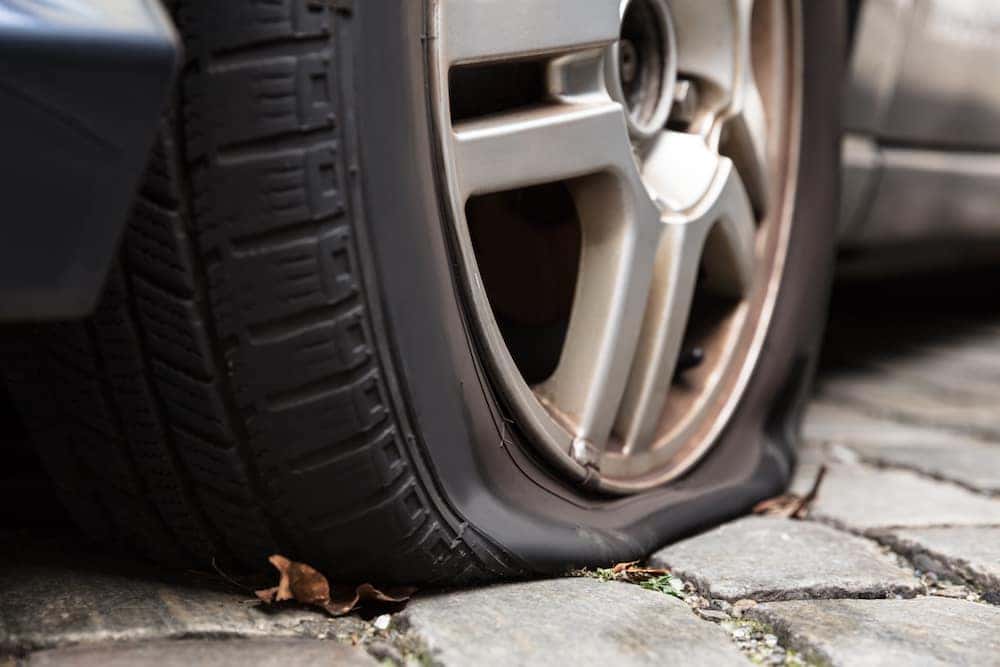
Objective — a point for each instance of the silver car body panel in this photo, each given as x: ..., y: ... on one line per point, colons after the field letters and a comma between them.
x: 922, y: 123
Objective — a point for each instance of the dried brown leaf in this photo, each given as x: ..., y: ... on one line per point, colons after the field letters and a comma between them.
x: 782, y: 506
x: 629, y: 571
x: 304, y: 584
x: 344, y: 599
x: 267, y: 594
x: 621, y: 567
x: 791, y: 505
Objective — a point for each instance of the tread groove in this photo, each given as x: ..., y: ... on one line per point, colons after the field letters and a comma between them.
x: 295, y: 325
x: 266, y: 146
x: 315, y: 390
x: 263, y: 50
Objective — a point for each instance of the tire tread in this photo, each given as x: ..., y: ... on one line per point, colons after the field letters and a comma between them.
x: 228, y: 400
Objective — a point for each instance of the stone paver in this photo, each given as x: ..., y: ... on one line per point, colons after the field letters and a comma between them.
x: 913, y: 404
x: 923, y: 631
x: 956, y: 377
x: 50, y: 598
x: 862, y: 498
x: 975, y: 467
x: 578, y: 621
x: 781, y: 559
x: 971, y: 553
x: 936, y: 453
x: 838, y: 423
x: 206, y: 653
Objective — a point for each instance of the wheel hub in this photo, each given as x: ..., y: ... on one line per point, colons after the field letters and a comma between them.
x: 642, y: 65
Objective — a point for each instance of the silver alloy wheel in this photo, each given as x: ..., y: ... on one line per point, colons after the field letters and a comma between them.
x: 697, y: 210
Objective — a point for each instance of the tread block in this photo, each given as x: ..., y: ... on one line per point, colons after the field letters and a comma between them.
x: 265, y: 192
x: 211, y: 465
x: 310, y: 485
x: 140, y: 416
x: 258, y: 99
x: 225, y: 25
x: 243, y: 526
x: 338, y: 413
x: 398, y: 515
x: 293, y: 278
x: 332, y: 348
x: 161, y: 181
x: 174, y: 328
x: 154, y: 246
x: 195, y: 403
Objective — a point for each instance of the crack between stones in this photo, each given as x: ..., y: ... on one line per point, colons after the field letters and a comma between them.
x: 397, y: 644
x: 742, y: 632
x: 787, y: 639
x: 883, y: 538
x: 869, y: 461
x: 883, y: 464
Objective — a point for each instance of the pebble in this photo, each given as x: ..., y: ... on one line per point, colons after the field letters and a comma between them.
x: 741, y: 606
x: 712, y: 614
x: 697, y: 602
x: 741, y: 634
x: 771, y: 640
x: 385, y: 651
x: 382, y: 622
x: 957, y: 592
x: 722, y: 605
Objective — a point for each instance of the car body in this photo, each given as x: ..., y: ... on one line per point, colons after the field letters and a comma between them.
x: 921, y: 116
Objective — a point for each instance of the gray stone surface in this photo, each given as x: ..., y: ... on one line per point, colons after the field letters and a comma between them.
x: 51, y: 598
x: 957, y: 377
x: 862, y: 498
x: 577, y: 621
x: 961, y: 458
x: 837, y: 423
x: 976, y: 467
x: 971, y: 553
x: 923, y: 631
x: 912, y: 403
x: 205, y: 653
x: 764, y: 558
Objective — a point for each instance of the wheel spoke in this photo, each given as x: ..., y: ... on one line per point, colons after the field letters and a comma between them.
x: 714, y: 48
x: 557, y: 142
x: 616, y: 268
x: 473, y: 30
x: 721, y: 229
x: 730, y: 248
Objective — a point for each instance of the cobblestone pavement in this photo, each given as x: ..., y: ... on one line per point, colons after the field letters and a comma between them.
x: 897, y: 562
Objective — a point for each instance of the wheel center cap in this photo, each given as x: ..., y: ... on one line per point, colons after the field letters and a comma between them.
x: 641, y: 67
